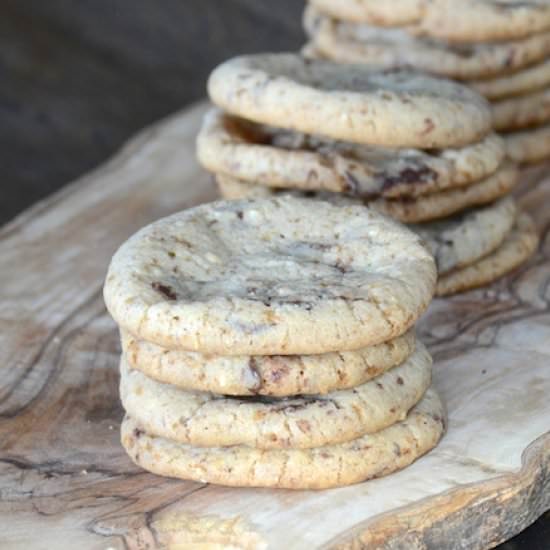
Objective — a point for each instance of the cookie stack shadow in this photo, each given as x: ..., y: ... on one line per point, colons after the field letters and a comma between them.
x: 500, y: 49
x: 420, y: 149
x: 270, y: 342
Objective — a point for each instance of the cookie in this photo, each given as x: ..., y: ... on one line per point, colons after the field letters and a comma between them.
x: 270, y: 375
x: 464, y: 238
x: 395, y: 47
x: 455, y: 241
x: 524, y: 81
x: 211, y: 420
x: 518, y: 246
x: 369, y: 456
x: 283, y: 158
x: 271, y: 276
x: 529, y: 146
x: 400, y: 108
x: 234, y: 189
x: 421, y: 209
x: 522, y: 111
x: 438, y: 205
x: 484, y: 20
x: 309, y: 51
x: 384, y: 14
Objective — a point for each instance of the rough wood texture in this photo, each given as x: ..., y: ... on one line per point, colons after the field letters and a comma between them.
x: 65, y: 482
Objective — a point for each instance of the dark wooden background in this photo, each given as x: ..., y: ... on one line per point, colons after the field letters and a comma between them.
x: 79, y: 77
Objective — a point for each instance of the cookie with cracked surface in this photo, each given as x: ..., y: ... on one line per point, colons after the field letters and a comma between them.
x: 399, y: 108
x: 528, y: 146
x: 455, y: 242
x: 522, y: 111
x: 280, y: 275
x: 384, y: 14
x: 524, y: 81
x: 205, y: 419
x: 464, y: 238
x: 396, y: 47
x: 271, y: 375
x: 516, y: 249
x: 370, y: 456
x: 282, y: 158
x: 484, y: 20
x: 420, y: 209
x: 448, y: 202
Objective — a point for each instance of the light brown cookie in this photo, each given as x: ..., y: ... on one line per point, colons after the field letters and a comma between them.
x: 421, y: 209
x: 234, y: 189
x: 270, y: 276
x: 309, y: 51
x: 364, y: 458
x: 518, y: 246
x: 395, y: 47
x: 281, y: 158
x: 210, y: 420
x: 522, y: 111
x: 395, y: 108
x: 464, y: 238
x: 524, y: 81
x: 271, y: 375
x: 445, y: 203
x: 470, y: 21
x: 382, y: 13
x: 455, y: 241
x: 529, y: 146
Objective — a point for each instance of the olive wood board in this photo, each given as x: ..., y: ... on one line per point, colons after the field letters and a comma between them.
x: 65, y: 481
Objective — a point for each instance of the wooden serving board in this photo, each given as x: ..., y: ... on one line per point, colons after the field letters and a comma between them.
x: 65, y: 482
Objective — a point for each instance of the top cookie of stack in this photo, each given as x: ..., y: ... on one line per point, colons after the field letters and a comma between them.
x: 273, y: 276
x: 418, y: 148
x: 363, y: 105
x: 499, y: 47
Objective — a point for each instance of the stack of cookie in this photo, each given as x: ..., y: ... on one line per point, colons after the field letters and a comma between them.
x: 415, y: 147
x: 500, y: 48
x: 270, y: 342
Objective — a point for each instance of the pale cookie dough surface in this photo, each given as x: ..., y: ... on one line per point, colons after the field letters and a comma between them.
x: 522, y: 111
x: 271, y: 375
x: 369, y: 456
x: 518, y: 246
x: 484, y: 20
x: 282, y: 158
x: 210, y: 420
x: 455, y: 242
x: 466, y: 237
x: 270, y: 276
x: 529, y: 146
x: 524, y: 81
x: 421, y: 209
x: 395, y: 47
x: 393, y: 13
x: 362, y: 104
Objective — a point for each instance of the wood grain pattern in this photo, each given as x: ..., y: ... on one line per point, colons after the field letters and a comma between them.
x: 65, y: 482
